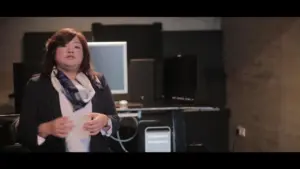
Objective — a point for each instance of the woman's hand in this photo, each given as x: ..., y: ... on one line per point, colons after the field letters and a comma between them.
x: 97, y: 122
x: 59, y: 127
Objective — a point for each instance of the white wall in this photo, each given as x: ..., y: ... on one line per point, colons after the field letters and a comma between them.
x: 12, y: 30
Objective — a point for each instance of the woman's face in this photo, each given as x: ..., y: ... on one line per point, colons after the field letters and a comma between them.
x: 69, y: 57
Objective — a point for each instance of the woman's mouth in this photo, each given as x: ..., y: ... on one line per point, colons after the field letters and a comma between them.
x: 70, y: 57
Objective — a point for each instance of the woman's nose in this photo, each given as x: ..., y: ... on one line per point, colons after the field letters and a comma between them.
x: 70, y: 50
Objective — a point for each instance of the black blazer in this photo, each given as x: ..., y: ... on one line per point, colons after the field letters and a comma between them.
x: 41, y: 104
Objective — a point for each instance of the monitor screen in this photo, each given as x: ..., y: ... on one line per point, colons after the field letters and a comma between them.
x: 110, y: 58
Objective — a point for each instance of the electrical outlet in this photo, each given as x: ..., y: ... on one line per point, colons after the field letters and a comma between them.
x: 241, y: 131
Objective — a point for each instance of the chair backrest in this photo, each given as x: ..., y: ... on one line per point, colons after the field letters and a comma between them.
x: 14, y: 129
x: 16, y: 148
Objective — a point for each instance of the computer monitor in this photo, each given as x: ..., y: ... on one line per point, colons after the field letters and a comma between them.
x: 110, y: 58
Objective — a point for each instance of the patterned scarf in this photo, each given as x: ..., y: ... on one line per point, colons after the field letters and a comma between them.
x: 70, y: 91
x: 78, y: 98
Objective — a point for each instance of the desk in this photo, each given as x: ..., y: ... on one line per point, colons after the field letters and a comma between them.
x: 212, y: 128
x: 137, y: 112
x: 174, y: 117
x: 156, y: 109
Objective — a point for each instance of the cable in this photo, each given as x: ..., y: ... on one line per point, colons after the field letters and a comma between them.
x: 234, y: 143
x: 118, y: 139
x: 14, y: 129
x: 121, y: 141
x: 121, y: 144
x: 130, y: 138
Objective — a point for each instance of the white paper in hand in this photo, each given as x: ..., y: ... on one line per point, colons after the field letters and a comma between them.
x: 78, y: 139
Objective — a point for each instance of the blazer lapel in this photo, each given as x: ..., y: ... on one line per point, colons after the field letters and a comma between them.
x: 96, y: 100
x: 54, y: 102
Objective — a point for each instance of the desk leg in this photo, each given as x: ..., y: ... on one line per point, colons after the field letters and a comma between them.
x: 179, y: 131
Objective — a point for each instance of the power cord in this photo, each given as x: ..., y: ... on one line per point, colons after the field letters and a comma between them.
x: 121, y: 141
x: 233, y: 144
x: 236, y: 137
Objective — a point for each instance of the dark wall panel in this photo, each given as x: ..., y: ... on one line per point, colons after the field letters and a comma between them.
x: 143, y: 41
x: 21, y: 74
x: 206, y: 44
x: 33, y: 45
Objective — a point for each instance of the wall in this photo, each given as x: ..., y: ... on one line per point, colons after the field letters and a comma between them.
x: 13, y: 28
x: 262, y: 61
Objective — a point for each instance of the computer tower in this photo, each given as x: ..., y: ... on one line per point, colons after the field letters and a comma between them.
x: 162, y: 121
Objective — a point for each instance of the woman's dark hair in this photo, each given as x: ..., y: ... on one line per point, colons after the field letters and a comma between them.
x: 59, y: 39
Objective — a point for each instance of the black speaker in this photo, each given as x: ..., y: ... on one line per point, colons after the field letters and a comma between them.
x: 21, y: 74
x: 141, y: 81
x: 180, y: 78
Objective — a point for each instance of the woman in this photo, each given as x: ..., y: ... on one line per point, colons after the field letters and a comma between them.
x: 68, y: 107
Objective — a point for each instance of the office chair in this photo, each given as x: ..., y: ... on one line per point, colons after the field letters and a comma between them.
x: 15, y: 147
